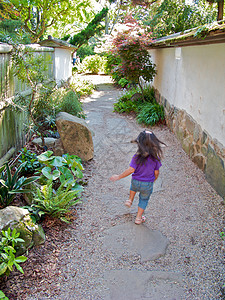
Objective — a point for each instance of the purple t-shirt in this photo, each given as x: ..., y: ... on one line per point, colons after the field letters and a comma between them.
x: 145, y: 172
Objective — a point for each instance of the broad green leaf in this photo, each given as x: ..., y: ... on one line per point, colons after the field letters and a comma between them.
x: 3, y: 296
x: 46, y: 171
x: 3, y: 268
x: 19, y: 240
x: 45, y: 156
x: 20, y: 259
x: 4, y: 256
x: 55, y: 174
x: 79, y: 174
x: 58, y: 161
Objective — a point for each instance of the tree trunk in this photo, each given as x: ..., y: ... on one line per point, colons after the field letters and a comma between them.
x: 220, y: 10
x: 142, y: 91
x: 107, y: 24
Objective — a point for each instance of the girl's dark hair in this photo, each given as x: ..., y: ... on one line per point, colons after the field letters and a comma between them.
x: 148, y: 145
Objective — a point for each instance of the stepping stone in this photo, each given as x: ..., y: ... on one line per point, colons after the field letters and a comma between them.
x: 131, y: 238
x: 135, y: 284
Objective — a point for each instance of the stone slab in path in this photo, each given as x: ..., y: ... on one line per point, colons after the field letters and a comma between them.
x: 135, y: 284
x: 135, y: 239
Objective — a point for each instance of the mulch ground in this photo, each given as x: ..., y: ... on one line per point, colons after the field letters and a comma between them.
x: 41, y: 268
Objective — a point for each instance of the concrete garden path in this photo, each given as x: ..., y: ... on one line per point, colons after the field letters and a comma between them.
x: 176, y: 254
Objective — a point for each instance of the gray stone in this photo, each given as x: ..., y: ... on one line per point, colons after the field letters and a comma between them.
x: 204, y: 150
x: 58, y: 149
x: 197, y: 133
x: 199, y: 160
x: 186, y: 144
x: 19, y: 218
x: 49, y: 141
x: 131, y: 238
x: 205, y: 137
x: 180, y: 133
x: 75, y: 135
x: 215, y: 172
x: 190, y: 123
x: 135, y: 284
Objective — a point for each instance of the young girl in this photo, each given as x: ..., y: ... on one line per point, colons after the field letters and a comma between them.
x: 144, y: 168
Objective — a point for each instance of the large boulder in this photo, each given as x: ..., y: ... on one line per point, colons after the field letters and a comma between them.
x: 75, y: 135
x: 19, y: 218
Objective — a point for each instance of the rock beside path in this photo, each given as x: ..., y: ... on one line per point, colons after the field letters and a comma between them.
x: 75, y: 135
x: 19, y: 218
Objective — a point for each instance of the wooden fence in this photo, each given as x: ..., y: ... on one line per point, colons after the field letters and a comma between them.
x: 12, y: 120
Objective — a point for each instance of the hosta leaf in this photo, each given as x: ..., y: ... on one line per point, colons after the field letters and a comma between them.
x: 58, y: 161
x: 55, y: 174
x: 44, y: 157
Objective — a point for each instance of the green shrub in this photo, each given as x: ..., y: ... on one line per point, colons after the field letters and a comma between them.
x: 30, y: 158
x: 56, y: 203
x: 85, y: 50
x: 70, y: 103
x: 65, y: 99
x: 149, y: 94
x: 123, y: 82
x: 125, y: 102
x: 150, y: 113
x: 81, y: 86
x: 7, y: 252
x: 3, y: 296
x: 94, y: 64
x: 11, y: 183
x: 61, y: 168
x: 113, y: 63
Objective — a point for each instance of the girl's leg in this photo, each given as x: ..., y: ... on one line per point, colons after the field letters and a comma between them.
x: 129, y: 202
x: 140, y: 212
x: 144, y: 195
x: 132, y: 194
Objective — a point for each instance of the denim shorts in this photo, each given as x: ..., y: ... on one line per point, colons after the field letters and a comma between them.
x: 145, y: 190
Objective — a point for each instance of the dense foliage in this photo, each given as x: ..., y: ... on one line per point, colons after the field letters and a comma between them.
x: 8, y: 242
x: 93, y: 64
x: 94, y: 27
x: 173, y: 16
x: 12, y: 183
x: 148, y: 112
x: 55, y: 203
x: 37, y: 16
x: 132, y: 58
x: 85, y: 50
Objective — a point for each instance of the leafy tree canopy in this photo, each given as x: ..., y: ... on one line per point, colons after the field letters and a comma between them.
x: 173, y: 16
x: 94, y: 27
x: 37, y: 16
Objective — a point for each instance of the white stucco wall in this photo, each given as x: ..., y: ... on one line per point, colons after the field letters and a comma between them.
x: 193, y: 79
x: 63, y: 64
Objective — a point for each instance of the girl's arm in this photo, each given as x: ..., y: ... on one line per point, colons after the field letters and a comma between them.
x: 126, y: 173
x: 156, y: 174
